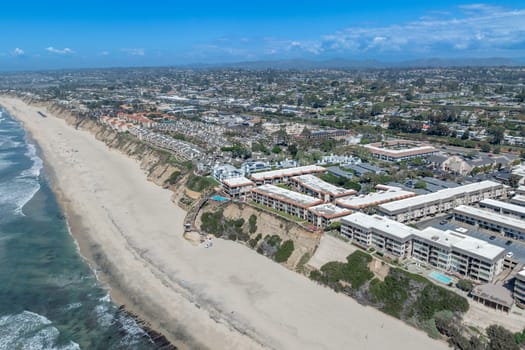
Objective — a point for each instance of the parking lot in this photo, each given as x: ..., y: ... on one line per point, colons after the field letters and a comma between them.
x: 516, y: 247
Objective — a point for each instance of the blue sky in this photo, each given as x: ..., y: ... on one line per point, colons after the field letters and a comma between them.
x: 64, y: 34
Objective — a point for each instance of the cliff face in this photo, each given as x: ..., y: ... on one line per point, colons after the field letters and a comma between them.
x: 155, y: 162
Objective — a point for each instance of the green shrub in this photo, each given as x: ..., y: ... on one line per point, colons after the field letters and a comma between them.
x: 285, y: 251
x: 200, y: 183
x: 252, y: 221
x: 465, y: 285
x: 173, y: 177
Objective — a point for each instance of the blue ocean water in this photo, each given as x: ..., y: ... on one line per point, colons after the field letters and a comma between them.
x: 49, y: 297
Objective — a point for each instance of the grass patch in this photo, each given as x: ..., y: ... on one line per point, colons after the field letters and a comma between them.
x: 200, y: 183
x: 284, y: 252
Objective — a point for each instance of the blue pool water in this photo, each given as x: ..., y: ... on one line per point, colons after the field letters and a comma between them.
x: 220, y: 198
x: 440, y: 277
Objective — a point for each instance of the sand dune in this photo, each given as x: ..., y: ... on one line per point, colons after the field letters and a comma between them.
x: 224, y: 297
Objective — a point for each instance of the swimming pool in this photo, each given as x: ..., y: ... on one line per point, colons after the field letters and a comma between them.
x: 220, y: 198
x: 440, y: 277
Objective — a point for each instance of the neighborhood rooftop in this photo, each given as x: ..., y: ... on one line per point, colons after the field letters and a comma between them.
x: 441, y: 195
x: 287, y: 195
x: 307, y: 169
x: 318, y: 185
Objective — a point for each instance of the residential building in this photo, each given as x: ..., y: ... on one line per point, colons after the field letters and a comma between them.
x: 399, y: 150
x: 458, y: 254
x: 226, y: 171
x: 325, y: 214
x: 384, y: 194
x: 503, y: 208
x: 281, y: 199
x: 519, y: 288
x: 237, y: 187
x: 315, y: 187
x: 518, y: 199
x: 284, y: 175
x: 442, y: 201
x: 488, y: 219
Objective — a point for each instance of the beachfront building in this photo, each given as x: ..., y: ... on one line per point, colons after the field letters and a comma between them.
x: 488, y: 219
x: 400, y: 150
x: 458, y: 254
x: 315, y: 187
x: 442, y: 201
x: 384, y: 194
x: 286, y: 201
x: 519, y: 288
x: 324, y: 215
x: 237, y: 187
x: 226, y: 171
x: 503, y: 208
x: 385, y: 235
x: 493, y: 295
x: 283, y: 175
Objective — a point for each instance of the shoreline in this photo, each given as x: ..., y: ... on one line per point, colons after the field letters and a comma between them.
x: 212, y: 296
x: 87, y: 252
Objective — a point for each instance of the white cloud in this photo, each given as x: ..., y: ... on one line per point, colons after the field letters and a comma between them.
x: 104, y: 53
x: 18, y: 52
x: 64, y: 51
x: 135, y: 52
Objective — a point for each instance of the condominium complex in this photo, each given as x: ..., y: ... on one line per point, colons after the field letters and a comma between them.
x: 315, y: 187
x: 325, y: 214
x: 519, y: 288
x: 442, y: 201
x: 383, y: 195
x: 237, y: 187
x: 503, y: 208
x: 464, y: 256
x: 399, y: 150
x: 488, y: 219
x: 284, y: 175
x: 286, y: 201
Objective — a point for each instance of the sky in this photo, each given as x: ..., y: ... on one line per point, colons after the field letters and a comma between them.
x: 80, y: 34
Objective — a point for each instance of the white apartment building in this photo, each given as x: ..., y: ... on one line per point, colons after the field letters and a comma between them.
x: 503, y: 208
x: 281, y: 199
x: 442, y: 201
x: 284, y: 175
x: 487, y: 219
x: 237, y: 187
x: 519, y: 288
x: 315, y: 187
x: 449, y: 251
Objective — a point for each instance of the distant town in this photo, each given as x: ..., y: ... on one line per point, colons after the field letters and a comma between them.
x: 422, y: 169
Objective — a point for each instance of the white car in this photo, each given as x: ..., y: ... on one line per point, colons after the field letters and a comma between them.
x: 510, y: 254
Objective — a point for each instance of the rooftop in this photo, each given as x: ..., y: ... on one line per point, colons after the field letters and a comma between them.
x: 494, y: 293
x: 382, y: 224
x: 318, y: 185
x: 287, y: 195
x: 489, y: 215
x: 330, y: 210
x: 307, y: 169
x: 503, y: 205
x: 375, y: 198
x: 237, y: 181
x: 444, y: 194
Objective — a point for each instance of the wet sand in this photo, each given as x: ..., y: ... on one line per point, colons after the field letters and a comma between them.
x: 224, y: 297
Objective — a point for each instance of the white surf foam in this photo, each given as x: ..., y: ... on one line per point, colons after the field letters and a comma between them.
x: 34, y: 171
x: 30, y: 331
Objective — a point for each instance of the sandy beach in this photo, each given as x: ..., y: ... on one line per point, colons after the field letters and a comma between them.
x: 224, y: 297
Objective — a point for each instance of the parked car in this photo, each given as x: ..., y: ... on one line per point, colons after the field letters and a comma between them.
x: 492, y: 237
x: 509, y: 242
x: 510, y: 254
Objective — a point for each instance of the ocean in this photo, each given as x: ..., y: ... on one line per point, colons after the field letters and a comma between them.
x: 49, y: 296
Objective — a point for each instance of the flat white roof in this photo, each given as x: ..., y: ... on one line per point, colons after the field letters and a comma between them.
x: 330, y: 210
x: 318, y: 185
x: 287, y: 195
x: 519, y: 198
x: 237, y: 181
x: 444, y: 194
x: 449, y: 239
x: 460, y: 241
x: 374, y: 198
x: 382, y: 224
x: 491, y: 216
x: 287, y: 172
x: 402, y: 151
x: 503, y: 205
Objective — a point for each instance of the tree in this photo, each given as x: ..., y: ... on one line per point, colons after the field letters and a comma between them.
x: 465, y: 285
x: 293, y: 150
x: 284, y: 251
x: 485, y: 147
x: 420, y: 184
x: 514, y: 180
x: 252, y: 222
x: 276, y: 149
x: 498, y: 133
x: 501, y: 338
